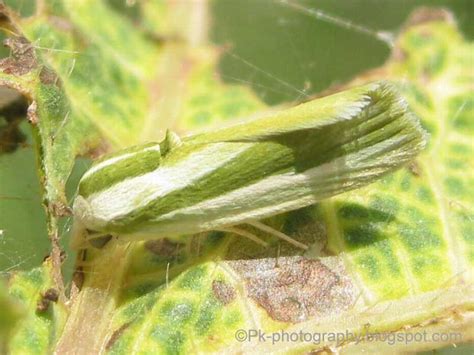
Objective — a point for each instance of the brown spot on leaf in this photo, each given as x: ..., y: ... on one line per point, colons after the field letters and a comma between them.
x: 164, y: 247
x: 116, y: 335
x: 42, y: 305
x: 298, y: 289
x: 48, y: 77
x: 51, y: 295
x: 224, y: 292
x: 22, y: 59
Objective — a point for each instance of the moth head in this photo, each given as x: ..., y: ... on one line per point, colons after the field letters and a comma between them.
x: 83, y: 235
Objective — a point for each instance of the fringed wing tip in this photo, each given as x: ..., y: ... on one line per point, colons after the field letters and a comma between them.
x: 398, y: 106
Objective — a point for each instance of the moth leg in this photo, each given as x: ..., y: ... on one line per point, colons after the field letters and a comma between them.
x: 99, y: 242
x: 278, y: 234
x: 245, y: 234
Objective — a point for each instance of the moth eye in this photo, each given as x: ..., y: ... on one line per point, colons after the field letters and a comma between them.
x: 100, y: 241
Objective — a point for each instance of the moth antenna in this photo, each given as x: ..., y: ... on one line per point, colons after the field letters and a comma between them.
x: 278, y: 234
x: 245, y: 234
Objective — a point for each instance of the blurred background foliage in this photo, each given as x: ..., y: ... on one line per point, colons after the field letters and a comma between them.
x: 281, y: 52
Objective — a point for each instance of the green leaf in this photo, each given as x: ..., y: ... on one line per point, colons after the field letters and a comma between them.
x: 10, y: 313
x: 395, y: 255
x: 412, y: 232
x: 44, y: 314
x: 95, y: 83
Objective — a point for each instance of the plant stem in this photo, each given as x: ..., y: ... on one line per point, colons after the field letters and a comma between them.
x: 87, y: 327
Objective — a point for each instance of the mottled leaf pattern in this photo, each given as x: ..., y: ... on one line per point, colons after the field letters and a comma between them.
x: 44, y: 315
x: 10, y: 313
x: 89, y: 91
x: 412, y: 232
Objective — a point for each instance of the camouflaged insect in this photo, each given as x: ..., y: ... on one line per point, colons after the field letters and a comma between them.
x: 243, y: 173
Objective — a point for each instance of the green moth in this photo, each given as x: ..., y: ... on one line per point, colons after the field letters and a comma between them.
x: 238, y: 175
